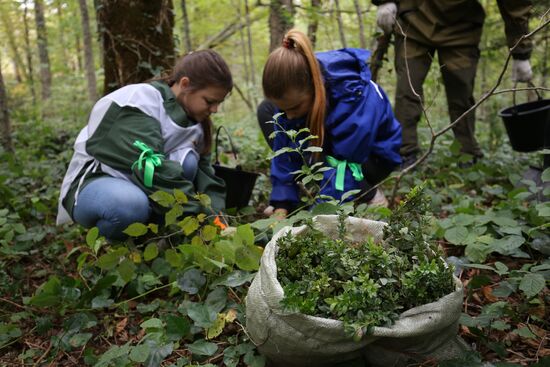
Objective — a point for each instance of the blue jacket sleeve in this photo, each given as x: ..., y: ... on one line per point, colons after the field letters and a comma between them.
x: 388, y: 136
x: 284, y: 187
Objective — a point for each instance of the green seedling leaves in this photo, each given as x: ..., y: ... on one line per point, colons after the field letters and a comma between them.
x: 531, y: 284
x: 313, y: 149
x: 254, y: 360
x: 244, y: 235
x: 201, y: 314
x: 92, y: 240
x: 204, y: 200
x: 151, y: 252
x: 234, y: 279
x: 507, y: 245
x: 191, y: 281
x: 136, y: 229
x: 114, y: 353
x: 525, y: 332
x: 189, y: 225
x: 202, y: 348
x: 477, y: 252
x: 325, y: 208
x: 8, y: 332
x: 158, y: 352
x: 153, y: 323
x: 173, y: 214
x: 49, y: 293
x: 126, y: 270
x: 216, y: 328
x: 248, y: 257
x: 101, y: 302
x: 208, y: 233
x: 180, y: 196
x: 163, y: 198
x: 217, y: 299
x: 174, y: 258
x: 457, y: 235
x: 177, y: 327
x: 111, y: 259
x: 543, y: 209
x: 140, y: 353
x: 226, y: 249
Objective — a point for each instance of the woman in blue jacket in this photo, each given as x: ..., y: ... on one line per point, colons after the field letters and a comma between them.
x: 331, y: 94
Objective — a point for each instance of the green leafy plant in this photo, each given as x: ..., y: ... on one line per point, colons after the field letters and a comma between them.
x: 201, y: 268
x: 308, y: 176
x: 364, y: 284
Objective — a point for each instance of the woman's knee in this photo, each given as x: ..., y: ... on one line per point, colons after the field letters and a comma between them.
x: 111, y: 199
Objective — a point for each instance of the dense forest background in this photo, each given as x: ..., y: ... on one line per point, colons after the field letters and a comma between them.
x: 70, y: 298
x: 56, y: 45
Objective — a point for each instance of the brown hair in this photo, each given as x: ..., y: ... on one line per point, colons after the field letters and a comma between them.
x: 204, y: 68
x: 293, y: 66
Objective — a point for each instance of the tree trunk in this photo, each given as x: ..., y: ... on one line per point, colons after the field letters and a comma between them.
x: 78, y: 48
x: 244, y: 47
x: 281, y: 19
x: 362, y: 40
x: 17, y: 71
x: 138, y: 40
x: 249, y: 38
x: 61, y: 33
x: 544, y: 66
x: 99, y: 33
x: 88, y: 51
x: 4, y: 116
x: 186, y: 30
x: 313, y: 24
x: 19, y: 66
x: 42, y: 41
x: 28, y: 53
x: 340, y: 23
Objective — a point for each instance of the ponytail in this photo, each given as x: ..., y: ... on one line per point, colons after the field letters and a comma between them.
x: 293, y: 66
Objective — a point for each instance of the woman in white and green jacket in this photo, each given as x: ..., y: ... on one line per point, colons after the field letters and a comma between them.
x: 143, y: 138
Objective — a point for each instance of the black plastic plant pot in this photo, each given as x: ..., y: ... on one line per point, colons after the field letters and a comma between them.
x: 528, y: 125
x: 239, y: 184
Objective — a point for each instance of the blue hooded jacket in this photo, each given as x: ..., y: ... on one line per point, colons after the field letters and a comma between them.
x: 359, y: 123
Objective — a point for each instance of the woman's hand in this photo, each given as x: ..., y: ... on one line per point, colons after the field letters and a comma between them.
x: 279, y: 213
x: 270, y: 211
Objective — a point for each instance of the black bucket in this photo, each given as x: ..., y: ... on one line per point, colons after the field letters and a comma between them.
x: 528, y: 124
x: 238, y: 183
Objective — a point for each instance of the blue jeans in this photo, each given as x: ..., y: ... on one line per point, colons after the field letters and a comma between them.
x: 112, y: 204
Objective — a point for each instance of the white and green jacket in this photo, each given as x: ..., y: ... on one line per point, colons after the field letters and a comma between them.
x: 148, y: 113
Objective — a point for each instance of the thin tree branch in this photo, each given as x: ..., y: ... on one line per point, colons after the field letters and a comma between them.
x: 435, y: 136
x: 487, y: 95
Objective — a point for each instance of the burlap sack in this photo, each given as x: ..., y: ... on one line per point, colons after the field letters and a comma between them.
x: 294, y: 339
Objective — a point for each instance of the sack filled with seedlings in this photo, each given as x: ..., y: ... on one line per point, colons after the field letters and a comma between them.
x: 355, y: 292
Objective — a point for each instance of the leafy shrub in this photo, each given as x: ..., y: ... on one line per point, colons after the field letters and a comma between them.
x: 365, y: 284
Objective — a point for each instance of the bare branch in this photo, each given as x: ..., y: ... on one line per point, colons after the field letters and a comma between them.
x: 487, y: 95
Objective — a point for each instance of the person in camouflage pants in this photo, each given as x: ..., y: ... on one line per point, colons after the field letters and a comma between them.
x: 453, y: 30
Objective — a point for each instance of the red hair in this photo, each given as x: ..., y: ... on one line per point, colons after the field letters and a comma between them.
x: 293, y: 66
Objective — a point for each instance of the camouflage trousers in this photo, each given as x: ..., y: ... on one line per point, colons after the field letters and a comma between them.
x: 458, y: 70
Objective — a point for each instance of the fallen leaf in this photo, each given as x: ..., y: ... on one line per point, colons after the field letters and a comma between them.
x: 488, y: 293
x: 121, y: 325
x: 231, y: 315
